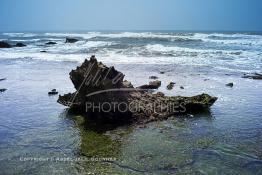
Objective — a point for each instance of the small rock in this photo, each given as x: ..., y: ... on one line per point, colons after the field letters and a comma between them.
x: 206, y: 79
x: 161, y: 72
x: 50, y: 43
x: 2, y: 79
x: 170, y: 85
x: 155, y: 83
x: 71, y: 40
x: 153, y: 77
x: 230, y: 84
x: 43, y: 51
x: 181, y: 87
x: 127, y: 84
x: 53, y: 92
x: 4, y: 44
x: 2, y: 90
x: 20, y: 45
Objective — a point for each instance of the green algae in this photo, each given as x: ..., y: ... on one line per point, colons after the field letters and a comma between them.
x: 205, y: 142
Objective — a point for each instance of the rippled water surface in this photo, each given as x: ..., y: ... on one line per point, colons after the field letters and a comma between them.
x: 225, y: 140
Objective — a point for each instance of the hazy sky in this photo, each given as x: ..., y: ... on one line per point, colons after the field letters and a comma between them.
x: 70, y: 15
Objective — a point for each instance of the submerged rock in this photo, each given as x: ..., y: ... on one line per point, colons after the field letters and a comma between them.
x: 20, y: 45
x: 230, y: 84
x: 71, y: 40
x: 4, y: 44
x: 102, y: 94
x: 2, y: 90
x: 50, y: 43
x: 255, y: 76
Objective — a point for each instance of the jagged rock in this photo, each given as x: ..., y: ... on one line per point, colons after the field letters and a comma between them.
x: 170, y: 86
x: 103, y: 95
x: 230, y: 84
x: 4, y: 44
x: 71, y: 40
x: 2, y: 90
x: 255, y: 76
x: 50, y: 43
x: 20, y: 45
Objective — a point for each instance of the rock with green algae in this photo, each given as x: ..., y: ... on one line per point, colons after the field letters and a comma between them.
x: 98, y: 84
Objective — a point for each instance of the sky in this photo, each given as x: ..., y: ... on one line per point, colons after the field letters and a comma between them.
x: 86, y: 15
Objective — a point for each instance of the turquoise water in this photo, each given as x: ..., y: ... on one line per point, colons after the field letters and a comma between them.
x: 225, y: 140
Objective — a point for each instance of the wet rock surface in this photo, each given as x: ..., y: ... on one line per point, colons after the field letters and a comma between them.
x: 20, y: 45
x: 4, y: 44
x: 71, y: 40
x: 2, y: 90
x: 103, y: 94
x: 50, y: 43
x: 171, y: 85
x: 230, y: 85
x: 255, y: 76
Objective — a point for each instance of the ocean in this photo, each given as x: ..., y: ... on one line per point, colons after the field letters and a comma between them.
x: 225, y: 140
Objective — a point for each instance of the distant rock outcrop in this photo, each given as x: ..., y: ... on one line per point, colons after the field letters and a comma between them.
x: 50, y: 43
x: 255, y: 76
x: 20, y: 45
x: 71, y: 40
x: 4, y: 44
x: 102, y: 93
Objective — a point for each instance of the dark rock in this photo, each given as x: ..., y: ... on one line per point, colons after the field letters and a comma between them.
x: 153, y: 77
x: 43, y: 51
x: 50, y: 43
x: 155, y: 83
x: 53, y: 92
x: 230, y: 84
x: 182, y: 87
x: 20, y: 45
x: 4, y: 44
x: 255, y: 76
x: 170, y: 86
x: 161, y: 72
x: 2, y: 79
x: 71, y: 40
x: 2, y: 90
x: 97, y: 84
x: 152, y: 85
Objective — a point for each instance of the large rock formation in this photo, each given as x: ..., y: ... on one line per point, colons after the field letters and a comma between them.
x: 102, y: 93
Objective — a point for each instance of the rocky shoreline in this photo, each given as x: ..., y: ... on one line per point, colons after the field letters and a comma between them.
x: 103, y: 94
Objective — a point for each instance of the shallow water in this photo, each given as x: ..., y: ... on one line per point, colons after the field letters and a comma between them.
x: 225, y: 140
